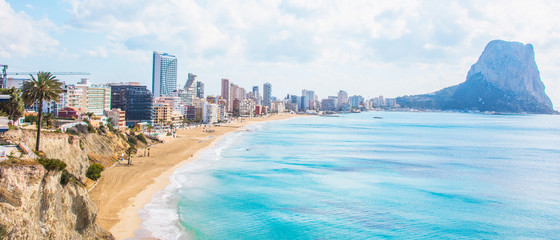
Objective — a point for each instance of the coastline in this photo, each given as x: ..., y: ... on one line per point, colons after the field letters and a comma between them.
x: 123, y: 190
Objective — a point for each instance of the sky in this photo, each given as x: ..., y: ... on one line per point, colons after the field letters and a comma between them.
x: 366, y: 47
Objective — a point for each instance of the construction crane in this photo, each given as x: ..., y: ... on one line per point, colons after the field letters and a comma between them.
x: 54, y: 73
x: 5, y: 74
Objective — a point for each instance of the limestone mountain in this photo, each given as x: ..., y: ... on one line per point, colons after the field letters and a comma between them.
x: 504, y: 79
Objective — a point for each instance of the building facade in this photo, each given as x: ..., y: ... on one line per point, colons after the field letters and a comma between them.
x: 161, y: 113
x: 277, y: 107
x: 199, y: 89
x: 342, y: 98
x: 225, y: 93
x: 117, y: 117
x: 356, y: 101
x: 164, y: 74
x: 211, y: 113
x: 267, y: 95
x: 88, y: 97
x: 328, y: 104
x: 134, y: 100
x: 257, y: 95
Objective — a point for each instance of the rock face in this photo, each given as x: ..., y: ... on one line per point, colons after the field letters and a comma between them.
x: 504, y: 79
x: 78, y: 152
x: 33, y: 203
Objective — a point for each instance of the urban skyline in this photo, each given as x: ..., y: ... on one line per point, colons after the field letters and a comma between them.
x: 393, y: 49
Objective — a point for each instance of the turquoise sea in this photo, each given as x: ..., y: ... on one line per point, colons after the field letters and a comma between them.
x: 408, y: 175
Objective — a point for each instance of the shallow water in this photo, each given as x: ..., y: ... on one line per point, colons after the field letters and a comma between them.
x: 408, y: 175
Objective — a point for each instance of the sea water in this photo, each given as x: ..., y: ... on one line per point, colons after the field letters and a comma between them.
x: 372, y: 175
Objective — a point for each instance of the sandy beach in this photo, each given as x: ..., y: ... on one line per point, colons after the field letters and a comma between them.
x: 123, y: 190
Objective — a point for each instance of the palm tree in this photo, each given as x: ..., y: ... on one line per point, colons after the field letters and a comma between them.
x: 43, y: 88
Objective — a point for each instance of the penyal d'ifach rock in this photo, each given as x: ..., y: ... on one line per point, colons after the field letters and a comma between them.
x: 504, y: 79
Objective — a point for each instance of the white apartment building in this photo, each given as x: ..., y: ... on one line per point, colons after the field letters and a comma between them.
x: 210, y: 113
x: 88, y: 97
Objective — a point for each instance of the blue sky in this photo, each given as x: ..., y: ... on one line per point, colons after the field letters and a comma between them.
x: 370, y: 48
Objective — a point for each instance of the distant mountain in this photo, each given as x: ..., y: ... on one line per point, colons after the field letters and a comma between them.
x: 504, y: 79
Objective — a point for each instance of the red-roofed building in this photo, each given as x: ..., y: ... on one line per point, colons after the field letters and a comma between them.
x: 70, y: 112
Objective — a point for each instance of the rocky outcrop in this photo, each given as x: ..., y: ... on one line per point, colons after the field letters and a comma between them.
x: 78, y: 152
x: 34, y: 205
x: 504, y: 79
x: 33, y: 202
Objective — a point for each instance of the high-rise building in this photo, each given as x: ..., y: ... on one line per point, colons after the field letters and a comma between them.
x: 297, y: 101
x: 356, y: 101
x: 164, y: 74
x: 342, y: 98
x: 308, y: 96
x: 88, y: 97
x: 190, y: 89
x: 134, y: 100
x: 256, y: 94
x: 267, y: 95
x: 199, y: 89
x: 233, y: 92
x: 225, y: 93
x: 328, y: 104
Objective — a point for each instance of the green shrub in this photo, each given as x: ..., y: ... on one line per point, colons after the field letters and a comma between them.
x: 94, y: 171
x: 31, y: 118
x: 141, y: 138
x: 3, y: 232
x: 65, y: 177
x: 52, y: 164
x: 72, y: 131
x: 132, y: 141
x: 102, y: 129
x: 77, y: 129
x: 111, y: 127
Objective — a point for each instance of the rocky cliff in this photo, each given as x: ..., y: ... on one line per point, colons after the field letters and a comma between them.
x: 33, y: 202
x: 504, y: 79
x: 34, y: 205
x: 77, y: 151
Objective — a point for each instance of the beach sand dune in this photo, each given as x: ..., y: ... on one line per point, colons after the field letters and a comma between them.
x: 123, y: 190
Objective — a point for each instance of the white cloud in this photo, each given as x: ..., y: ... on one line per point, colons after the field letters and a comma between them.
x: 374, y: 47
x: 22, y: 35
x: 98, y: 52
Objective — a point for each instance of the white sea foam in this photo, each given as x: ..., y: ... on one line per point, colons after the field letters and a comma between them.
x: 160, y: 216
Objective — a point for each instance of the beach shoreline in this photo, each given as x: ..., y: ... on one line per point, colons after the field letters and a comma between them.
x: 123, y: 190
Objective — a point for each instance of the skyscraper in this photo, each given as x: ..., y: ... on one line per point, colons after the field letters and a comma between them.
x: 190, y: 89
x: 309, y: 96
x: 164, y: 74
x: 199, y: 89
x: 267, y: 94
x: 256, y: 94
x: 225, y: 93
x: 342, y: 98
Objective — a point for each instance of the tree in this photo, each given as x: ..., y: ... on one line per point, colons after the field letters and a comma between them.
x: 50, y: 120
x: 43, y: 88
x: 130, y: 151
x: 14, y: 107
